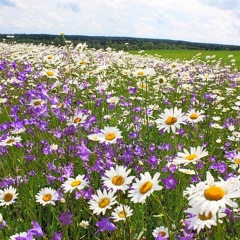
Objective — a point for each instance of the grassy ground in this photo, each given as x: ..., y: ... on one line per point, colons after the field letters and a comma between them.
x: 188, y: 54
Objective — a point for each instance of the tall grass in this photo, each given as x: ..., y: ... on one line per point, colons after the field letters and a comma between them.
x: 55, y: 99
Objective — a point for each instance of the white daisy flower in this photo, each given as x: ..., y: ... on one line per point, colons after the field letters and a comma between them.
x: 113, y: 100
x: 121, y: 213
x: 161, y: 80
x: 144, y: 187
x: 193, y: 156
x: 187, y: 171
x: 50, y: 73
x: 170, y: 120
x: 8, y: 196
x: 194, y: 116
x: 144, y: 72
x: 10, y: 141
x: 117, y: 179
x: 95, y: 136
x: 47, y: 195
x: 163, y: 231
x: 79, y: 118
x: 102, y: 201
x: 210, y: 196
x: 37, y: 102
x: 17, y: 235
x: 84, y: 224
x: 110, y: 135
x: 74, y: 183
x: 200, y: 221
x: 237, y: 158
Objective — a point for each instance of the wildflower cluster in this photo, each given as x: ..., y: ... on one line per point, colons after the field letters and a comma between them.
x: 108, y: 145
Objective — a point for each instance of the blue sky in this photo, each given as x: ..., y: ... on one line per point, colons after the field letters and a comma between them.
x: 207, y: 21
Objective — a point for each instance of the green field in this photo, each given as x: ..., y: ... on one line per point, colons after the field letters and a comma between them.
x: 189, y: 54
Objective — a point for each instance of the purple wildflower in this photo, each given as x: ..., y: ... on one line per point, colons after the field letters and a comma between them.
x: 65, y: 218
x: 57, y: 236
x: 105, y: 225
x: 36, y: 230
x: 170, y: 182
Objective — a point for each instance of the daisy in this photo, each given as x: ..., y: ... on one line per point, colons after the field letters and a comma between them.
x: 21, y: 235
x: 144, y: 72
x: 161, y: 80
x: 194, y: 116
x: 8, y: 196
x: 237, y: 158
x: 121, y: 213
x: 37, y: 102
x: 117, y: 179
x: 94, y: 136
x: 161, y: 231
x: 143, y: 187
x: 84, y: 224
x: 170, y: 120
x: 113, y: 100
x: 193, y: 156
x: 78, y: 118
x: 210, y: 196
x: 200, y: 221
x: 50, y: 73
x: 10, y: 141
x: 187, y: 171
x: 102, y: 201
x: 47, y: 195
x: 109, y: 135
x: 74, y: 183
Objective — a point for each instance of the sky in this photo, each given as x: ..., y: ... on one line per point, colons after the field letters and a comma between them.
x: 205, y: 21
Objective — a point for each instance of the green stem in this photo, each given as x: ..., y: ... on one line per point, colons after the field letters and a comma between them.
x: 166, y: 216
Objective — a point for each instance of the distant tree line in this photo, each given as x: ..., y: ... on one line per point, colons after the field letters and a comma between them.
x: 117, y: 43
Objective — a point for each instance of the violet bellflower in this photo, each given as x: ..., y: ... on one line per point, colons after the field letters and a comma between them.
x: 57, y: 236
x: 170, y: 182
x: 65, y: 218
x: 105, y: 225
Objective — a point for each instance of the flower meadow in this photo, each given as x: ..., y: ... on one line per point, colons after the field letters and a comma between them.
x: 102, y: 144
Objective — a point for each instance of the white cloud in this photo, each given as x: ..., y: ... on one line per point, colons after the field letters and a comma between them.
x: 196, y: 20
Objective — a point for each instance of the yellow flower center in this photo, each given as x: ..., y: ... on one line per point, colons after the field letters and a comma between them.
x: 110, y: 136
x: 95, y: 138
x: 140, y: 73
x: 122, y: 214
x: 163, y: 234
x: 193, y: 116
x: 203, y: 217
x: 10, y: 141
x: 145, y: 187
x: 103, y: 202
x: 49, y: 73
x: 161, y: 80
x: 237, y: 161
x: 77, y: 120
x: 60, y: 105
x: 37, y: 103
x: 191, y: 157
x: 49, y: 57
x: 8, y: 197
x: 118, y: 180
x: 142, y: 85
x: 47, y: 197
x: 171, y: 120
x: 81, y: 62
x: 214, y: 193
x: 75, y: 183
